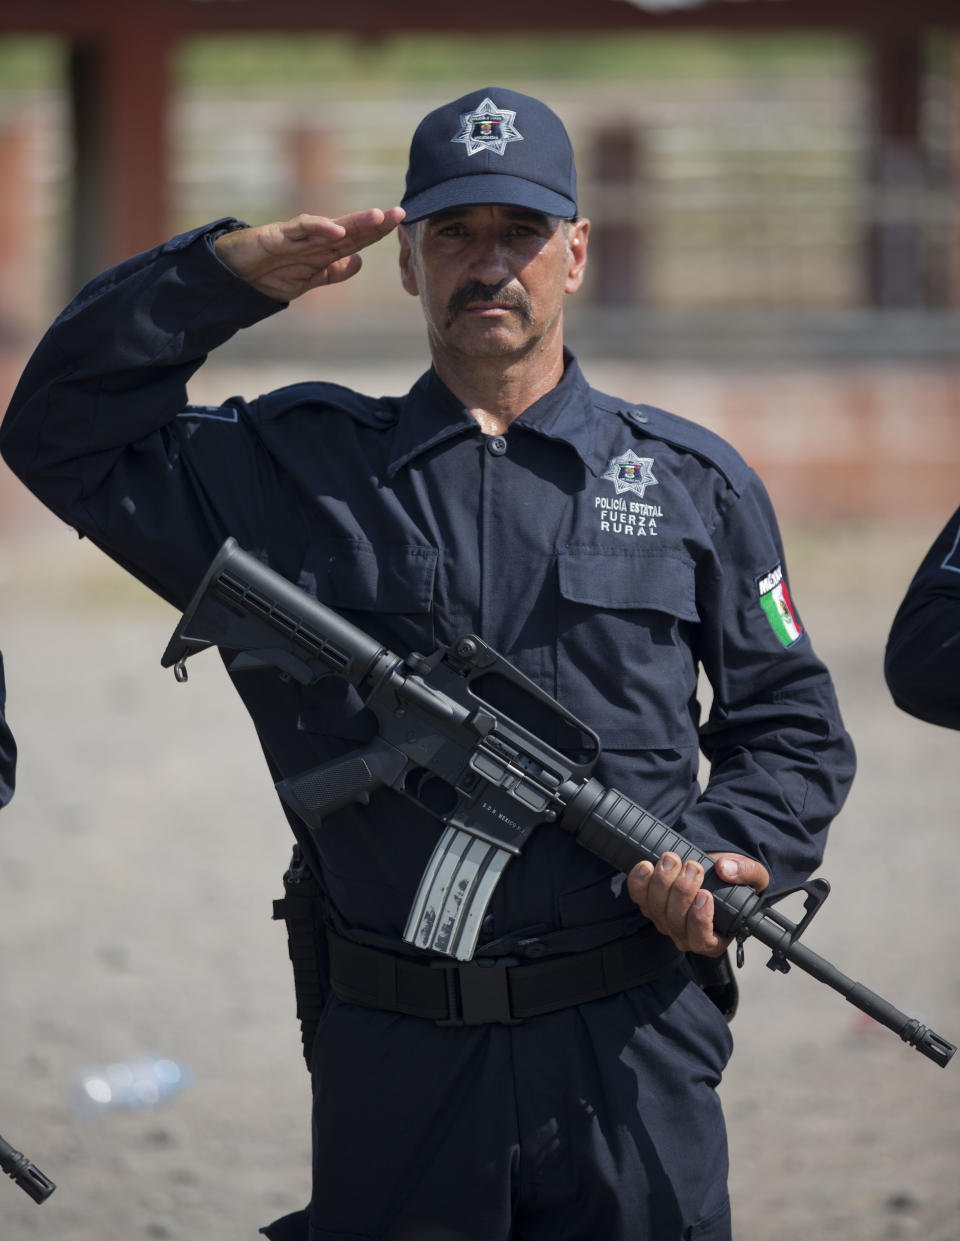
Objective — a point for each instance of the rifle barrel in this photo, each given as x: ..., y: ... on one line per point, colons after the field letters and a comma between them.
x: 26, y: 1174
x: 623, y: 834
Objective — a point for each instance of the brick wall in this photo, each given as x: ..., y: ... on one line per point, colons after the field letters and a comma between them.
x: 841, y: 442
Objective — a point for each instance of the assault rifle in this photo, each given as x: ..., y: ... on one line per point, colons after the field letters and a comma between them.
x: 480, y: 772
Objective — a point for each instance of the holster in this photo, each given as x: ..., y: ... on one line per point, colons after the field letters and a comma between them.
x: 301, y: 908
x: 716, y: 979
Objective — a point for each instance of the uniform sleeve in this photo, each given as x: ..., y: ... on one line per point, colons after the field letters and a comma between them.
x: 781, y: 762
x: 94, y: 426
x: 922, y: 661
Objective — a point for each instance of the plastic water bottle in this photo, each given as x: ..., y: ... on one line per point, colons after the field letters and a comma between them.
x: 131, y: 1085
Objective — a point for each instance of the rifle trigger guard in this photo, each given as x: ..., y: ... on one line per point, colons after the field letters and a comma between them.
x: 817, y: 891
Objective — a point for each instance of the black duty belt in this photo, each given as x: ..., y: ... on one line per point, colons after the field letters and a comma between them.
x: 501, y: 989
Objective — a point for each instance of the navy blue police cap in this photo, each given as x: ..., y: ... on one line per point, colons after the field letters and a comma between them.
x: 491, y: 146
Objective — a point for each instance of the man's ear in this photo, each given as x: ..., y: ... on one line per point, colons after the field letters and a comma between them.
x: 407, y: 274
x: 577, y: 246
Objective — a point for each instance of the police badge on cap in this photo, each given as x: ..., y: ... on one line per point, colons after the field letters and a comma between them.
x: 487, y: 128
x: 491, y: 146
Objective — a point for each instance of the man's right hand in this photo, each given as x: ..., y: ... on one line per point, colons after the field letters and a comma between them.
x: 286, y: 259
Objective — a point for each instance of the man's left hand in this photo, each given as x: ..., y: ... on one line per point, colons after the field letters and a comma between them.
x: 673, y: 898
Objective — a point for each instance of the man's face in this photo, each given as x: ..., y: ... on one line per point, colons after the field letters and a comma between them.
x: 491, y: 279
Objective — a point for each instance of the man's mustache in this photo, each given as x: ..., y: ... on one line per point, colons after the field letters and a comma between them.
x: 474, y: 291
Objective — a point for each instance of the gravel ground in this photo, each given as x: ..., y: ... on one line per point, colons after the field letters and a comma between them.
x: 140, y: 855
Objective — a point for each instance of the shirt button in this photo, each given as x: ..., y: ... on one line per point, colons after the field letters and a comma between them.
x: 497, y: 445
x: 533, y: 948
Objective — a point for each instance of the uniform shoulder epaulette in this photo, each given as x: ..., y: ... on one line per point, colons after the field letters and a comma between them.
x: 681, y: 433
x: 378, y: 412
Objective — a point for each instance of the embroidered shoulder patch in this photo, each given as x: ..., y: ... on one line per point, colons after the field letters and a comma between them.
x: 775, y: 601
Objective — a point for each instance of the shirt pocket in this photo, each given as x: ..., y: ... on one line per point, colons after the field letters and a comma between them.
x: 626, y: 623
x: 387, y: 592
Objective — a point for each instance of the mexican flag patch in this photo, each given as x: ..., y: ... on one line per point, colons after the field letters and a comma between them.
x: 775, y: 601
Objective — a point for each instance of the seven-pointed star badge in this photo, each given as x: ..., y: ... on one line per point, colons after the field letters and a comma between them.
x: 487, y: 128
x: 631, y: 473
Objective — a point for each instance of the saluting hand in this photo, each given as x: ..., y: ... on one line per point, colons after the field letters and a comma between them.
x: 285, y: 259
x: 673, y: 898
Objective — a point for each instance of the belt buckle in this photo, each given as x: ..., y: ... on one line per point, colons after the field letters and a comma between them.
x: 478, y: 992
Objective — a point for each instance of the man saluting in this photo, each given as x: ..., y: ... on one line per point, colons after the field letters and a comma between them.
x: 481, y: 502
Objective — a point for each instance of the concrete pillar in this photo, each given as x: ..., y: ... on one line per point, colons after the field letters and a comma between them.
x: 896, y: 170
x: 313, y: 162
x: 618, y: 243
x: 120, y: 95
x: 21, y: 292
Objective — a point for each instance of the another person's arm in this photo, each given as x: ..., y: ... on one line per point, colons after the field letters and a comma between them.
x: 922, y: 662
x: 8, y: 747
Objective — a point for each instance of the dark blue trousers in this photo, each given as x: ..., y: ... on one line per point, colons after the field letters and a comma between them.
x: 595, y: 1123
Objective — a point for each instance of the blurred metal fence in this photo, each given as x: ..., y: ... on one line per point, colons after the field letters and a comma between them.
x: 703, y: 194
x: 725, y: 195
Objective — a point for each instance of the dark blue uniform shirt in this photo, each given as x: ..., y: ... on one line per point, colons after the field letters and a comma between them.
x: 922, y: 663
x: 609, y: 550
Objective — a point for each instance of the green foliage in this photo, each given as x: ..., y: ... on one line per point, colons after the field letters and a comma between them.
x: 253, y: 61
x: 383, y: 64
x: 31, y: 63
